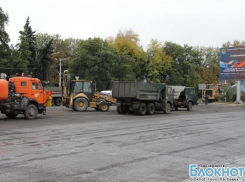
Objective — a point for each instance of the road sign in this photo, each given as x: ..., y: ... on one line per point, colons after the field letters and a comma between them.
x: 201, y: 86
x: 77, y: 77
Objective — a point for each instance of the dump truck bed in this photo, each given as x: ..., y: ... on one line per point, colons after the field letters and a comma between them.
x: 136, y: 90
x: 57, y: 91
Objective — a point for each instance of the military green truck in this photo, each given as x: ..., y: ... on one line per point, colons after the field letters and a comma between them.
x: 141, y: 97
x: 184, y: 97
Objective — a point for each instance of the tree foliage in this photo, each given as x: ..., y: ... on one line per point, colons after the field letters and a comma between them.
x: 4, y: 37
x: 15, y: 63
x: 235, y: 43
x: 63, y: 50
x: 44, y: 60
x: 209, y: 69
x: 38, y: 54
x: 158, y: 62
x: 4, y: 40
x: 95, y: 60
x: 116, y: 58
x: 27, y: 45
x: 131, y: 54
x: 185, y: 65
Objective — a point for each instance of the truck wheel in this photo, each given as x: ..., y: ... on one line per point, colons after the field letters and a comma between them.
x: 11, y: 116
x: 80, y: 104
x: 58, y: 102
x: 176, y: 108
x: 142, y: 109
x: 104, y: 106
x: 189, y: 106
x: 31, y: 112
x: 121, y: 110
x: 150, y: 109
x: 167, y: 109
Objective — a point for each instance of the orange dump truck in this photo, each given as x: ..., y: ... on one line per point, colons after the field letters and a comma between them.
x: 23, y: 95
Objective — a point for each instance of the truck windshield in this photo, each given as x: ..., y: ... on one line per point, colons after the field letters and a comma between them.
x: 80, y: 87
x: 87, y: 87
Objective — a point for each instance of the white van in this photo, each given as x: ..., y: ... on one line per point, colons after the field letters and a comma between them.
x: 106, y: 92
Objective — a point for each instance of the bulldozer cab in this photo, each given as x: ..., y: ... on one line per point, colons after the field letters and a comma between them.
x: 80, y: 86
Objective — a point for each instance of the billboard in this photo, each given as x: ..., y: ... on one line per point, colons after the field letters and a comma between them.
x: 232, y: 63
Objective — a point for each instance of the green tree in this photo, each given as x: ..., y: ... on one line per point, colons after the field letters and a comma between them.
x: 158, y: 62
x: 235, y: 43
x: 38, y: 55
x: 185, y: 65
x: 44, y: 60
x: 63, y: 49
x: 209, y: 70
x: 15, y: 63
x: 95, y: 60
x: 4, y: 40
x: 23, y: 49
x: 27, y: 45
x: 131, y: 54
x: 10, y: 58
x: 4, y: 37
x: 43, y: 38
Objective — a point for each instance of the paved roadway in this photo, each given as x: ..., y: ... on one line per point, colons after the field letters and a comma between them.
x: 101, y: 147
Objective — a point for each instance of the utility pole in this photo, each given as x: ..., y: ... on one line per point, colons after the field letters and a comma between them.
x: 60, y: 74
x: 238, y: 92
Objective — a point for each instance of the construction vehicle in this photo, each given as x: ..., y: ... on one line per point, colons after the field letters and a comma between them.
x: 23, y: 95
x: 81, y: 94
x: 211, y: 92
x: 184, y: 97
x: 142, y: 97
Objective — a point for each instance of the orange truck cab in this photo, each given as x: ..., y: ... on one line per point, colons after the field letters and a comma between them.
x: 23, y: 95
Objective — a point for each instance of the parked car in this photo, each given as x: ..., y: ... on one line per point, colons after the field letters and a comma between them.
x: 106, y: 92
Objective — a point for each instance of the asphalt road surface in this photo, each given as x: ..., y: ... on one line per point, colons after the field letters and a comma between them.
x: 102, y: 147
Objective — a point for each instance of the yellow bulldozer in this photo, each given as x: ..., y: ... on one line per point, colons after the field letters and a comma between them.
x: 212, y: 92
x: 81, y: 94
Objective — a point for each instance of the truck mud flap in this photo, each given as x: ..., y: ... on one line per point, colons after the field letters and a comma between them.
x: 24, y: 103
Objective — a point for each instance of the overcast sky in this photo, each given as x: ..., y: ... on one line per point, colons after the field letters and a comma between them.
x: 192, y: 22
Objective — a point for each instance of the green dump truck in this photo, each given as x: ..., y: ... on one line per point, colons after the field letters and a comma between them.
x: 141, y: 97
x: 184, y: 97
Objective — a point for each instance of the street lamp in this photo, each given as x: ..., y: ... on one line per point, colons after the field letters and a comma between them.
x: 60, y: 66
x: 60, y: 74
x: 60, y: 70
